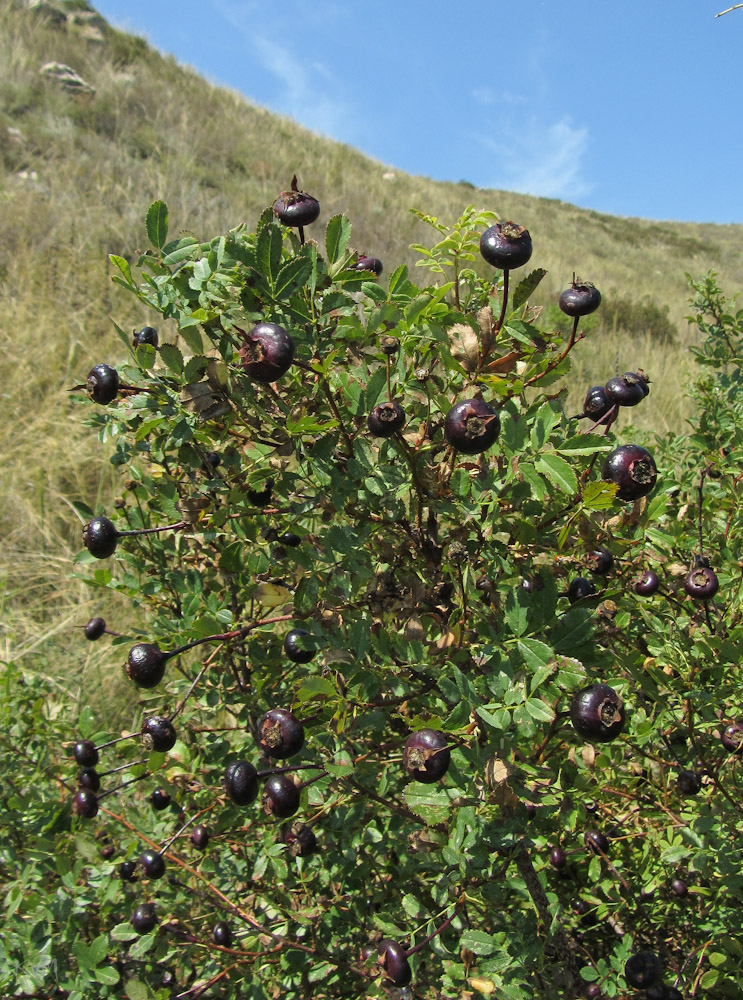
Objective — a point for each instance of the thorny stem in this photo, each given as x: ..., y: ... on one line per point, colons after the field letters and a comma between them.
x: 234, y: 907
x: 541, y: 903
x: 124, y: 784
x: 177, y: 834
x: 201, y: 988
x: 699, y: 511
x: 176, y: 526
x: 238, y: 633
x: 422, y: 944
x: 331, y: 401
x: 554, y: 726
x: 420, y: 489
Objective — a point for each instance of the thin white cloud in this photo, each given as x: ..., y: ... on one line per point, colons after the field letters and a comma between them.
x: 487, y: 96
x: 540, y: 159
x: 307, y: 91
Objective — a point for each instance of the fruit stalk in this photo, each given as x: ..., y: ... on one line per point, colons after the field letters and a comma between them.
x: 499, y: 322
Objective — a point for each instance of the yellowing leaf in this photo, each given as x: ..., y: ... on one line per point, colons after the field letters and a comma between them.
x: 271, y: 595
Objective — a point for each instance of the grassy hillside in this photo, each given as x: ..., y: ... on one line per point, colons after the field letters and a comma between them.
x: 78, y: 172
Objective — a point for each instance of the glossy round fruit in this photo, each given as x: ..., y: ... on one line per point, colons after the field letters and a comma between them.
x: 290, y: 539
x: 160, y: 799
x: 596, y: 404
x: 471, y: 426
x: 222, y: 934
x: 373, y: 264
x: 89, y: 778
x: 100, y: 537
x: 147, y: 335
x: 689, y: 783
x: 394, y: 963
x: 558, y: 858
x: 152, y: 864
x: 679, y: 888
x: 102, y: 384
x: 144, y: 918
x: 146, y: 664
x: 267, y: 352
x: 94, y: 628
x: 426, y: 755
x: 628, y: 389
x: 386, y: 419
x: 581, y: 299
x: 158, y: 733
x: 596, y: 841
x: 633, y: 469
x: 597, y: 713
x: 642, y: 970
x: 301, y: 840
x: 85, y: 753
x: 732, y: 737
x: 594, y: 992
x: 128, y: 871
x: 296, y: 208
x: 85, y: 803
x: 299, y: 646
x: 580, y: 588
x: 212, y: 461
x: 280, y: 796
x: 200, y: 837
x: 600, y: 561
x: 647, y: 584
x: 241, y: 782
x: 280, y: 733
x: 702, y: 584
x: 506, y: 245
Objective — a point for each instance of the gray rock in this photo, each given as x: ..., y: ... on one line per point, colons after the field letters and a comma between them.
x: 47, y: 10
x: 66, y: 77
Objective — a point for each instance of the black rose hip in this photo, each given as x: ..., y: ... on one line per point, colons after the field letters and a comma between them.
x: 102, y: 384
x: 633, y: 469
x: 580, y: 299
x: 280, y: 733
x: 471, y: 426
x: 267, y: 352
x: 597, y: 713
x: 296, y: 208
x: 506, y: 245
x: 386, y: 419
x: 426, y: 755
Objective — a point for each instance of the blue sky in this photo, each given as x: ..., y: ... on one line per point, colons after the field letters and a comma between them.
x: 630, y: 108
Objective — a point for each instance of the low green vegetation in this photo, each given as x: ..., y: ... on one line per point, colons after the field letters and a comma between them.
x: 80, y: 167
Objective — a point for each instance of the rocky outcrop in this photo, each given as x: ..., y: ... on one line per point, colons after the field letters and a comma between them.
x: 66, y: 77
